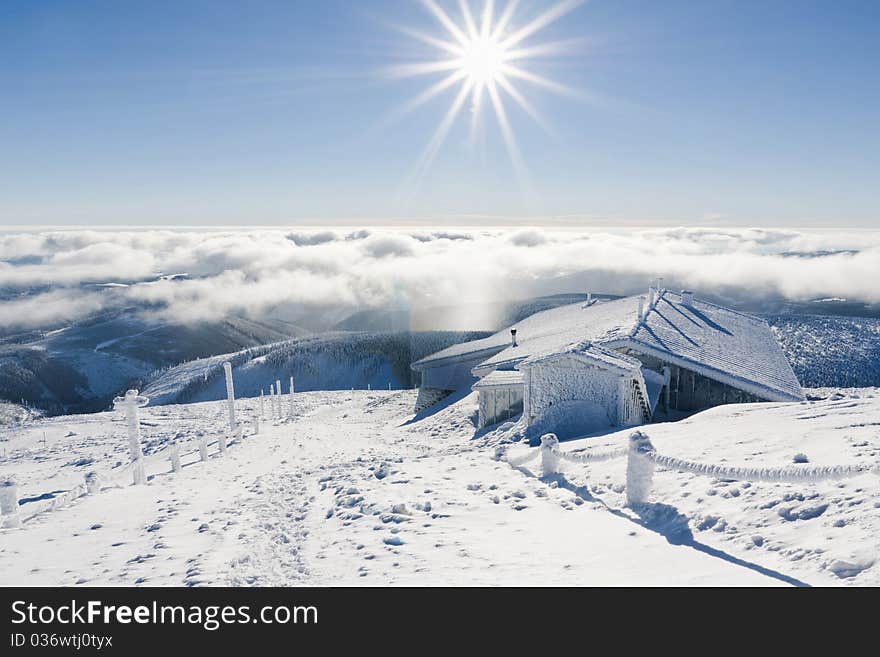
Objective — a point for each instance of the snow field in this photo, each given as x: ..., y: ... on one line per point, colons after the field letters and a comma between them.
x: 356, y: 491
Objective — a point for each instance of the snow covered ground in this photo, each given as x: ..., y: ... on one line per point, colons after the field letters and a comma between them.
x: 356, y: 491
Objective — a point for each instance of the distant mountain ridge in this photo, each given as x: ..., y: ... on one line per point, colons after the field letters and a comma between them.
x: 82, y: 367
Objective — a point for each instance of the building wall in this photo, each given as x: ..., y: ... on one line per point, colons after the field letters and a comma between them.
x: 559, y: 381
x: 451, y: 375
x: 500, y: 404
x: 691, y: 391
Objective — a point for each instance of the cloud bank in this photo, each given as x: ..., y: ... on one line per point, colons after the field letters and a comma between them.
x: 56, y: 276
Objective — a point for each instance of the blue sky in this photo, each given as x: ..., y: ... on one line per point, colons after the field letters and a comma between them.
x: 709, y: 112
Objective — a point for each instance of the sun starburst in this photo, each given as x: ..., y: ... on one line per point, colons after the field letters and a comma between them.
x: 483, y: 57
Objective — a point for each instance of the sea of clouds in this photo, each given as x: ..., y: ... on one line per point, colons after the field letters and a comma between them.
x: 47, y: 277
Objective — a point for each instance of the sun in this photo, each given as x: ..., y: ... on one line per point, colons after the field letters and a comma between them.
x: 483, y: 58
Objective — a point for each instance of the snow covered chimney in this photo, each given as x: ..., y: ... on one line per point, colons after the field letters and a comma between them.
x: 513, y: 337
x: 641, y: 308
x: 687, y: 298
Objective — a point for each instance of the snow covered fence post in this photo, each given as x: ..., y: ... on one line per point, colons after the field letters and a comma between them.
x: 9, y: 504
x: 203, y: 447
x: 93, y: 483
x: 174, y: 457
x: 262, y: 412
x: 278, y: 398
x: 290, y: 412
x: 549, y: 458
x: 272, y: 398
x: 221, y: 443
x: 230, y: 395
x: 255, y: 425
x: 639, y: 469
x: 130, y: 403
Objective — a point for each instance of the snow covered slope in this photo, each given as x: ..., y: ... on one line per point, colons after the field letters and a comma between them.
x: 356, y: 491
x: 335, y: 361
x: 82, y: 367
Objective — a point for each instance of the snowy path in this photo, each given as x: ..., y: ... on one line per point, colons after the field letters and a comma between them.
x: 351, y: 493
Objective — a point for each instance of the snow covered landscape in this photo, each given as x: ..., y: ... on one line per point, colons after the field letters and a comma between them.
x: 438, y: 292
x: 354, y: 489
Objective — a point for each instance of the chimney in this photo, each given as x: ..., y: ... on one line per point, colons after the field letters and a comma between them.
x: 687, y: 298
x: 641, y: 308
x: 513, y: 337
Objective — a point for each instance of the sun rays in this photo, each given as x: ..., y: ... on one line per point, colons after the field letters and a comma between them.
x: 484, y: 57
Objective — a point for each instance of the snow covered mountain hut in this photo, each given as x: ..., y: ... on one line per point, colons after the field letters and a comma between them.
x: 621, y: 361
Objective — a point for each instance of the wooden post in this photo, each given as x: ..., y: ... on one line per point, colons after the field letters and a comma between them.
x: 549, y: 460
x: 203, y: 447
x: 272, y: 398
x: 262, y: 411
x: 278, y: 397
x: 9, y: 504
x: 221, y: 443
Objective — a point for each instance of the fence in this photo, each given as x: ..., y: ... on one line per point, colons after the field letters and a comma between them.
x: 642, y: 458
x: 13, y: 512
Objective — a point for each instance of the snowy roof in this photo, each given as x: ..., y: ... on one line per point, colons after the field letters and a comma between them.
x: 720, y: 343
x: 564, y: 328
x: 546, y: 331
x: 723, y: 344
x: 587, y: 351
x: 500, y: 379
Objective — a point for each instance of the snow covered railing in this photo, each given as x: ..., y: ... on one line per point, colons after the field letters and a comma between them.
x: 642, y: 458
x: 642, y: 454
x: 551, y: 455
x: 13, y: 512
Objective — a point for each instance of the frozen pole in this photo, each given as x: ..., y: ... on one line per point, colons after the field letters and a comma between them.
x: 230, y: 395
x: 93, y: 483
x: 291, y: 397
x: 9, y: 504
x: 272, y: 398
x: 203, y: 447
x: 174, y: 457
x: 278, y: 397
x: 130, y: 403
x: 639, y: 469
x: 262, y: 412
x: 549, y: 460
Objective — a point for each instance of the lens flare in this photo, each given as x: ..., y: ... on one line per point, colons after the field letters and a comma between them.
x: 483, y: 57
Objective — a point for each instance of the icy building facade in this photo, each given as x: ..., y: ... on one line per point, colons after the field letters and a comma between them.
x: 621, y: 362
